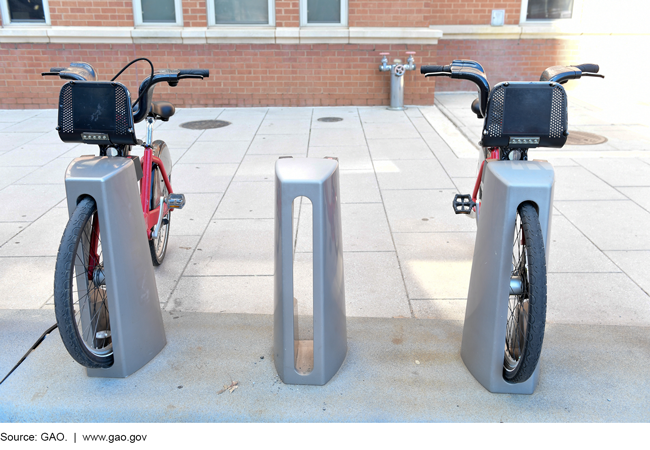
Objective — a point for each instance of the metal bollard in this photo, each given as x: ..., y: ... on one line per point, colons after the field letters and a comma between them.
x: 397, y: 70
x: 137, y: 328
x: 318, y: 180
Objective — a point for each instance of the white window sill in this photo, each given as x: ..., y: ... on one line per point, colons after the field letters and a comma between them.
x: 533, y: 30
x: 218, y: 35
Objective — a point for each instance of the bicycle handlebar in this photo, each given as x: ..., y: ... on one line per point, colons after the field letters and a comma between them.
x: 436, y: 71
x: 591, y: 68
x: 562, y: 74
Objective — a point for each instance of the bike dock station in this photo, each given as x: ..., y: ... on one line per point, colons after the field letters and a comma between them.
x: 507, y: 184
x: 318, y: 180
x: 136, y: 324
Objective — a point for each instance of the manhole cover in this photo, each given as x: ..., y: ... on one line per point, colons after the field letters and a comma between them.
x: 584, y: 138
x: 205, y: 124
x: 330, y: 119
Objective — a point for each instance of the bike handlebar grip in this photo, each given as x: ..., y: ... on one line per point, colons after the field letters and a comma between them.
x: 590, y: 68
x: 57, y: 69
x: 434, y: 69
x: 205, y: 73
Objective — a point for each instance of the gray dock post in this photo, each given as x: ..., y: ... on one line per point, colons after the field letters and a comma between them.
x: 318, y: 180
x: 137, y: 328
x: 507, y: 184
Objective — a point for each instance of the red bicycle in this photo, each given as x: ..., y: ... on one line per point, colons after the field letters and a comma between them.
x: 101, y: 113
x: 518, y: 116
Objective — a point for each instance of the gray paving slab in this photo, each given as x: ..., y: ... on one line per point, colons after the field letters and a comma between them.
x: 224, y: 294
x: 215, y: 152
x: 412, y: 174
x: 28, y: 202
x: 324, y: 137
x: 248, y: 200
x: 18, y: 115
x: 9, y: 175
x: 10, y: 229
x: 168, y: 274
x: 289, y: 113
x: 26, y: 283
x: 388, y: 130
x: 285, y: 126
x: 610, y: 225
x: 343, y: 112
x: 235, y: 247
x: 436, y: 265
x: 421, y: 124
x: 424, y: 211
x: 36, y: 124
x: 635, y: 264
x: 202, y: 178
x: 37, y: 154
x: 259, y: 167
x: 40, y: 238
x: 577, y: 183
x: 193, y: 219
x: 20, y: 330
x: 392, y: 149
x: 291, y: 144
x: 349, y: 121
x: 350, y: 158
x: 447, y: 309
x: 619, y: 172
x: 382, y: 115
x: 51, y: 173
x: 359, y: 186
x: 588, y: 374
x: 373, y: 284
x: 571, y: 251
x: 14, y: 140
x: 639, y: 195
x: 596, y: 298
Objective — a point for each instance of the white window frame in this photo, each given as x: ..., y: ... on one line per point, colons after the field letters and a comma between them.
x: 344, y: 16
x: 577, y: 8
x: 212, y: 20
x: 6, y: 17
x: 137, y: 16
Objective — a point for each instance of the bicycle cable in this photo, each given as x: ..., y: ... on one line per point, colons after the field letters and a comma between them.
x: 36, y: 344
x: 148, y: 81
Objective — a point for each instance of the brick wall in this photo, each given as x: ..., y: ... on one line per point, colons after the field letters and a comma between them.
x: 91, y: 13
x: 389, y: 13
x: 472, y: 12
x: 194, y: 13
x: 240, y: 75
x: 287, y: 13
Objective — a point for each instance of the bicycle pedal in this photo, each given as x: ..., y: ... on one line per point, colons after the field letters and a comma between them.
x: 463, y: 204
x: 176, y: 201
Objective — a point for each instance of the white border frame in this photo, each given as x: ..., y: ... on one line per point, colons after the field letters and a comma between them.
x: 344, y: 16
x: 575, y: 14
x: 137, y: 16
x: 6, y: 17
x: 212, y: 21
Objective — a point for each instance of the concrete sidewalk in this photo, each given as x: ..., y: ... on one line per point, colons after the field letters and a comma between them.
x: 407, y: 256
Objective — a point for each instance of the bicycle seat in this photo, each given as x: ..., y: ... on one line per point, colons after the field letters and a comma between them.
x: 162, y: 110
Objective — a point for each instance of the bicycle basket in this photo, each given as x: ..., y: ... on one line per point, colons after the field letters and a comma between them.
x: 96, y: 113
x: 526, y: 115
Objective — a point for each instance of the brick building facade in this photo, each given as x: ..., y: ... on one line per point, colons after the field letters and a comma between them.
x: 292, y: 59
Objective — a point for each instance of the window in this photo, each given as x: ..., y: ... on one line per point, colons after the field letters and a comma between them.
x: 546, y: 10
x: 241, y: 12
x: 324, y: 12
x: 25, y: 12
x: 158, y: 12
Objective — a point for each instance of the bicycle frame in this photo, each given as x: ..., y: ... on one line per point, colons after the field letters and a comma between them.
x: 151, y: 216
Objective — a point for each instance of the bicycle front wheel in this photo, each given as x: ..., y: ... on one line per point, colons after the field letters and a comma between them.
x: 80, y: 301
x: 158, y: 245
x: 527, y: 303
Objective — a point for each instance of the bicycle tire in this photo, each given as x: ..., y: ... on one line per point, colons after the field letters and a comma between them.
x: 82, y: 314
x: 158, y: 246
x: 527, y: 311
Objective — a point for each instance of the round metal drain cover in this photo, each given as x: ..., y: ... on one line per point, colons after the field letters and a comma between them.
x: 205, y: 124
x: 584, y: 138
x: 330, y: 119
